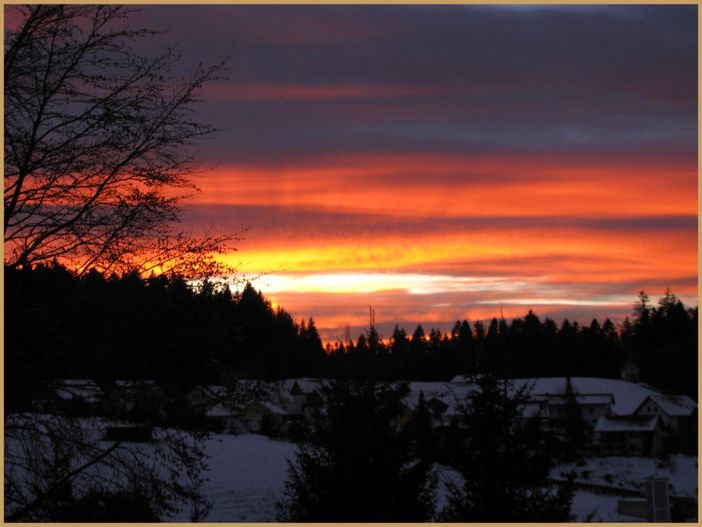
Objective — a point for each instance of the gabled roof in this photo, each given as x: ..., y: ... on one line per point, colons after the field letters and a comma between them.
x: 302, y: 386
x: 673, y: 405
x: 627, y: 395
x: 215, y: 391
x: 628, y: 423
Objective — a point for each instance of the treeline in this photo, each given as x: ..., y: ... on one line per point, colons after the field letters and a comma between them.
x: 660, y: 340
x: 59, y: 325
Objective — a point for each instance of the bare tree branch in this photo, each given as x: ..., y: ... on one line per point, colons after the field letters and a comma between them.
x: 97, y: 138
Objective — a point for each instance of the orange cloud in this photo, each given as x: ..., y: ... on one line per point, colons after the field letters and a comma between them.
x: 451, y: 186
x: 422, y: 236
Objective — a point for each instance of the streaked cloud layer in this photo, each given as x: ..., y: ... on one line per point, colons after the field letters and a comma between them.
x: 441, y: 162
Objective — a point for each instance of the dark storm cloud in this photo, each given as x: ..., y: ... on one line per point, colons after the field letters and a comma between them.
x: 495, y: 77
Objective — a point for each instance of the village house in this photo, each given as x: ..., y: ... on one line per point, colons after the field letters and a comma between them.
x: 675, y: 411
x: 298, y: 395
x: 142, y: 397
x: 264, y: 417
x: 226, y: 417
x: 75, y: 396
x: 536, y: 409
x: 628, y: 435
x: 202, y: 398
x: 438, y: 410
x: 678, y: 415
x: 592, y: 405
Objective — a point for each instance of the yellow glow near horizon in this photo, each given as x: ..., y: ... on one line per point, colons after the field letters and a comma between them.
x: 363, y: 283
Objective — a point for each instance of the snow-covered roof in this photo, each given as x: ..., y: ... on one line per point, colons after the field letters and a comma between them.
x: 272, y: 408
x: 215, y: 390
x: 307, y: 385
x: 449, y: 395
x: 584, y: 399
x: 430, y: 389
x: 629, y: 423
x: 531, y: 411
x: 77, y: 389
x: 628, y: 396
x: 673, y: 405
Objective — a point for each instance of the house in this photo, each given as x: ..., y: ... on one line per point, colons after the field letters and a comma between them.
x: 202, y: 398
x: 536, y: 409
x: 264, y: 417
x: 629, y: 435
x: 298, y: 396
x: 143, y: 397
x: 675, y: 411
x: 678, y: 414
x: 82, y: 396
x: 311, y: 407
x: 438, y: 410
x: 592, y: 405
x: 226, y: 417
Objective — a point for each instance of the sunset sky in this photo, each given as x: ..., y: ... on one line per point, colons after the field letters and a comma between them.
x: 441, y: 162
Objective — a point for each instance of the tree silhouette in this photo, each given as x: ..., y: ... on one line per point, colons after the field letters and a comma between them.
x: 575, y: 429
x: 358, y: 465
x: 97, y: 145
x: 504, y: 462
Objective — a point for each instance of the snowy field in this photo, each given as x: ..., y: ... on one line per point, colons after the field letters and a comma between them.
x: 246, y: 477
x: 630, y: 472
x: 248, y: 472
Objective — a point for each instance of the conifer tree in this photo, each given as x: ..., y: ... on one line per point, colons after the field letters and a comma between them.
x: 575, y: 429
x: 357, y: 465
x: 420, y: 432
x: 505, y: 462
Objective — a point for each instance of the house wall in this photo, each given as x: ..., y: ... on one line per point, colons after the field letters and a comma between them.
x: 591, y: 412
x: 651, y: 408
x: 634, y: 443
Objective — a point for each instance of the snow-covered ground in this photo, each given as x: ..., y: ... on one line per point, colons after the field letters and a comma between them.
x: 248, y: 472
x: 630, y: 472
x: 246, y: 477
x: 588, y: 506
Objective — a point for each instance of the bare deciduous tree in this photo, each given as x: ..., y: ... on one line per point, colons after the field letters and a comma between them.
x: 98, y: 145
x: 56, y: 467
x: 98, y: 154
